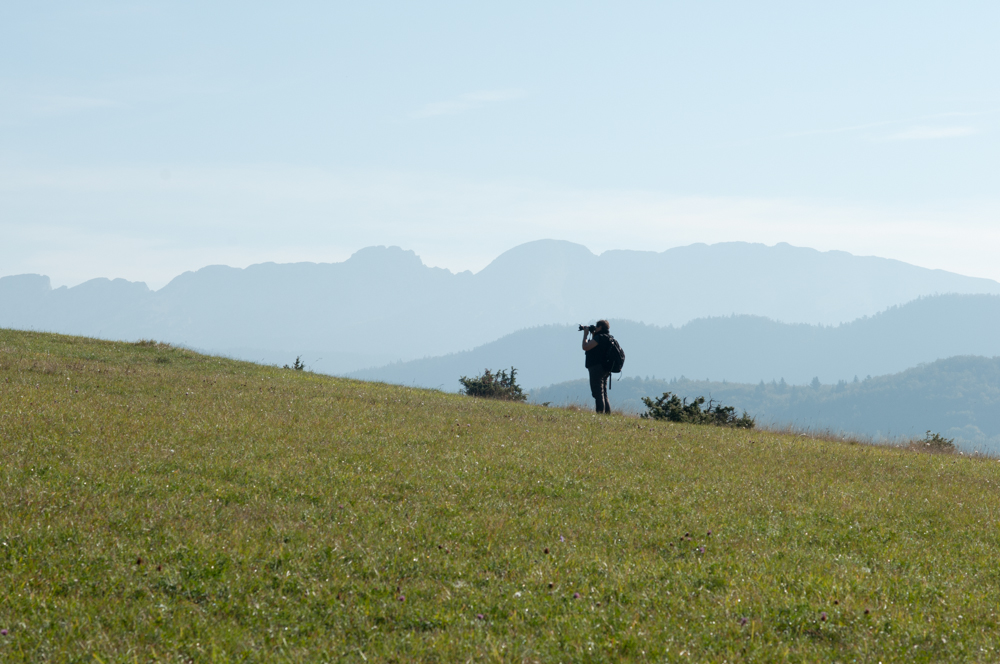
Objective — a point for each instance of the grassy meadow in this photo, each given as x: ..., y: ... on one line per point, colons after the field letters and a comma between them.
x: 160, y: 505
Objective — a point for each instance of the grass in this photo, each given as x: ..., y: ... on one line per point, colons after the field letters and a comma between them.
x: 160, y: 505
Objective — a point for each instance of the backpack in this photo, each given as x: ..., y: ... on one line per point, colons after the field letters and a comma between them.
x: 615, y: 359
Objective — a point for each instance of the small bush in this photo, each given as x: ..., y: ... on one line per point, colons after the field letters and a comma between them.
x: 298, y: 366
x: 937, y: 443
x: 672, y: 408
x: 499, y: 385
x: 151, y: 343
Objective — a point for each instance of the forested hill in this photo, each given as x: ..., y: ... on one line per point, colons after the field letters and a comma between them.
x: 958, y: 397
x: 736, y: 348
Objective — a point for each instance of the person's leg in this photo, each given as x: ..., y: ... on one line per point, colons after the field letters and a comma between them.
x: 604, y: 393
x: 596, y: 389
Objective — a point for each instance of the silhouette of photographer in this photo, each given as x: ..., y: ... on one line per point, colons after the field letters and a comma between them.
x: 596, y: 345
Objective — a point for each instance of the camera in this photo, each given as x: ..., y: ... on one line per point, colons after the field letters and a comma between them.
x: 589, y: 328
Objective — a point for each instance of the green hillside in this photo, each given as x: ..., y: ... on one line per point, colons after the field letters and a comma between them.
x: 160, y: 505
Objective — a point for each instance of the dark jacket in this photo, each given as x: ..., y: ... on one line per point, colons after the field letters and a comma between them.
x: 597, y: 355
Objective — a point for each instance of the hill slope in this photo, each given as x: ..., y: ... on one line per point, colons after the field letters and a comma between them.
x: 735, y: 348
x: 164, y: 505
x: 384, y: 304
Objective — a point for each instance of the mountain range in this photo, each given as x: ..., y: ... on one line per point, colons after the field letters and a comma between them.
x: 384, y: 305
x: 734, y: 348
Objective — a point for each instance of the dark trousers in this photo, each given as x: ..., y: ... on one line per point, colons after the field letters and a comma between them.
x: 599, y: 389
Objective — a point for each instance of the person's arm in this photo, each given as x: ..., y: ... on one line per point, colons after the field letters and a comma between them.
x: 587, y: 345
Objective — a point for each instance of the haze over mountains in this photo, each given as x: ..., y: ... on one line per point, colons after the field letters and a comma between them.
x: 383, y: 304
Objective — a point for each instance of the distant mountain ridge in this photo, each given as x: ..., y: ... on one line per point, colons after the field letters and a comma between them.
x: 383, y: 304
x: 734, y: 348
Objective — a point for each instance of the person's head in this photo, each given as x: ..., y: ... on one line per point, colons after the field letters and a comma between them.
x: 602, y: 326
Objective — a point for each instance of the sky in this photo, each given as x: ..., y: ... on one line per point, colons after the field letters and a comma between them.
x: 143, y: 139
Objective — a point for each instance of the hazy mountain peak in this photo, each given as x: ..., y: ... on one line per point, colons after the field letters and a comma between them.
x: 105, y: 285
x: 382, y: 257
x: 25, y: 283
x: 557, y: 254
x: 198, y: 278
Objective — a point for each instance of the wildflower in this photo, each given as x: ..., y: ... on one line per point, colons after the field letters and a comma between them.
x: 710, y: 533
x: 546, y: 550
x: 138, y: 561
x: 480, y: 616
x: 822, y: 616
x: 836, y: 602
x: 3, y: 632
x: 701, y: 549
x: 402, y: 598
x: 551, y: 585
x: 562, y: 539
x: 576, y: 595
x: 866, y: 612
x: 743, y: 621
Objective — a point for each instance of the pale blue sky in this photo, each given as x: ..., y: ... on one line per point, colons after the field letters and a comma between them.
x: 141, y: 139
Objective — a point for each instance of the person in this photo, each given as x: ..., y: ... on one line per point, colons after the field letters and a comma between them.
x: 596, y: 349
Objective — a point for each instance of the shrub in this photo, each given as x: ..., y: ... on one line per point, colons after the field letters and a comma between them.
x: 298, y: 366
x: 937, y: 443
x: 672, y: 408
x: 499, y: 385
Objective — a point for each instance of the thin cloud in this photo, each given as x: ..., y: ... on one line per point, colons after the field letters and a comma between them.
x: 962, y: 114
x: 836, y: 130
x: 925, y: 133
x: 938, y: 132
x: 18, y: 107
x: 467, y: 102
x: 62, y: 104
